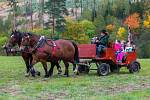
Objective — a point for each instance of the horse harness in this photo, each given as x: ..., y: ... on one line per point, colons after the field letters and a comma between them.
x: 41, y: 43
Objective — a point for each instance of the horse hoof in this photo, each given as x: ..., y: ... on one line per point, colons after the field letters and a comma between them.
x: 66, y: 75
x: 33, y: 75
x: 38, y: 73
x: 73, y: 75
x: 77, y: 73
x: 45, y: 79
x: 46, y: 76
x: 59, y: 73
x: 27, y: 74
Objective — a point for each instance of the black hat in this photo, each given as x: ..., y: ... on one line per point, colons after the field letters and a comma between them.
x: 103, y: 31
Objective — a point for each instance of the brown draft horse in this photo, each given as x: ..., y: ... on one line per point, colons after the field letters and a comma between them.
x: 15, y: 39
x: 44, y: 50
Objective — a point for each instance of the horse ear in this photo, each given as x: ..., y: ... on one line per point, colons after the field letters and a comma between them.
x: 15, y: 30
x: 29, y: 34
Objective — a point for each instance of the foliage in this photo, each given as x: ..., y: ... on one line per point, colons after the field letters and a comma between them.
x: 99, y: 22
x: 137, y: 7
x: 143, y: 44
x: 45, y: 32
x: 3, y: 40
x: 133, y: 21
x: 110, y: 15
x: 110, y: 27
x: 76, y: 31
x: 121, y: 33
x: 147, y: 22
x: 87, y: 14
x: 120, y: 8
x: 89, y: 28
x: 56, y: 10
x: 5, y: 25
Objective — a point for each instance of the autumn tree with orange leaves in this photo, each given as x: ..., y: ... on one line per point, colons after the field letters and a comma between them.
x: 133, y: 21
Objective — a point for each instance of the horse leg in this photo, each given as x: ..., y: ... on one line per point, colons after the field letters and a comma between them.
x: 74, y: 70
x: 30, y: 61
x: 58, y: 68
x: 45, y: 68
x: 27, y: 68
x: 51, y: 69
x: 32, y: 68
x: 66, y: 69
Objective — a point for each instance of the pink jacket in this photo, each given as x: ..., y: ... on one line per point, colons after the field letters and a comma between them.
x: 117, y: 46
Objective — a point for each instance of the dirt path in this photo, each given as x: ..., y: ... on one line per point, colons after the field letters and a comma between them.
x: 122, y: 88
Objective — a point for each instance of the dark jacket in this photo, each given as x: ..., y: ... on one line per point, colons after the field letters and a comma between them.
x: 103, y: 40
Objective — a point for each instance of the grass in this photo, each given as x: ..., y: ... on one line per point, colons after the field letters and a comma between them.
x: 122, y: 86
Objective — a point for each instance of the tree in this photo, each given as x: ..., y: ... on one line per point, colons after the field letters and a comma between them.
x: 41, y: 12
x: 94, y: 11
x: 31, y: 12
x: 147, y: 22
x: 87, y: 14
x: 121, y: 34
x: 137, y: 7
x: 77, y: 31
x: 99, y: 22
x: 76, y: 3
x: 133, y: 21
x: 88, y: 27
x: 56, y: 10
x: 13, y: 4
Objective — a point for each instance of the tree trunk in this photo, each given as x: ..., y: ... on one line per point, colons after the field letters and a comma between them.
x: 31, y: 14
x: 41, y: 13
x: 26, y: 20
x: 14, y: 20
x: 81, y: 3
x: 76, y: 15
x: 53, y: 18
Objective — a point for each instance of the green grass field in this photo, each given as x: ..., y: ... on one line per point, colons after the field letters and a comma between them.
x: 122, y: 86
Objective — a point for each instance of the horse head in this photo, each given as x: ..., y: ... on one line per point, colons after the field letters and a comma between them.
x: 28, y: 40
x: 15, y: 38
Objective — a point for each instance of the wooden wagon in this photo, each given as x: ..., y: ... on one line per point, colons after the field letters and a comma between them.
x: 106, y: 63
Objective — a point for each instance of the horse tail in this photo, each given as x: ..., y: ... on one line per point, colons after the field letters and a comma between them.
x: 76, y: 55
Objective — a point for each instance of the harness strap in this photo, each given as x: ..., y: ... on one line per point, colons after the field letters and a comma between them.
x: 41, y: 42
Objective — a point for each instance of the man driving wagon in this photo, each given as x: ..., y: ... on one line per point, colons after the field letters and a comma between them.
x: 101, y: 42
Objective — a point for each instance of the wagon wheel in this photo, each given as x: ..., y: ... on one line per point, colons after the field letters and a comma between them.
x: 87, y: 70
x: 134, y: 67
x: 103, y: 69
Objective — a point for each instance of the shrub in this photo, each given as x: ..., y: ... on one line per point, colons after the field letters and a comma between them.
x: 45, y: 32
x: 76, y: 31
x: 3, y: 40
x: 89, y: 28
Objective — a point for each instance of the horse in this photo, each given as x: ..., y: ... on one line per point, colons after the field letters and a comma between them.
x: 44, y: 50
x: 15, y: 39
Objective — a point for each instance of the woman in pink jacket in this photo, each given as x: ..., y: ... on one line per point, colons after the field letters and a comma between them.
x: 119, y: 51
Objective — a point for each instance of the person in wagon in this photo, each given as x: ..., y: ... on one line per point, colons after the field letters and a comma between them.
x: 101, y: 42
